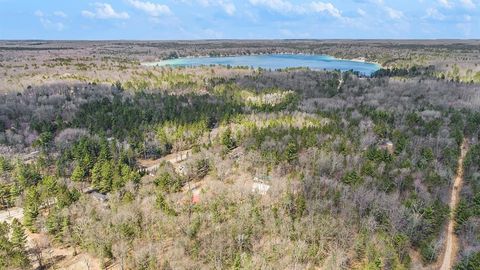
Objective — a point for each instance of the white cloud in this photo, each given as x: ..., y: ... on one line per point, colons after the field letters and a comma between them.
x: 446, y: 3
x: 283, y: 6
x: 228, y: 7
x: 278, y: 5
x: 468, y: 4
x: 433, y: 13
x: 150, y: 8
x: 47, y: 23
x: 394, y: 14
x: 60, y: 14
x: 89, y: 14
x: 326, y: 7
x: 104, y: 11
x: 361, y: 12
x: 38, y: 13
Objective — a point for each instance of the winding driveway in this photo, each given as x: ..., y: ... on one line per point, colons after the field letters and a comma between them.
x: 451, y: 246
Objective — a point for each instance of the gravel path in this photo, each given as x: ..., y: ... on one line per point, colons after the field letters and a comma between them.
x: 451, y: 246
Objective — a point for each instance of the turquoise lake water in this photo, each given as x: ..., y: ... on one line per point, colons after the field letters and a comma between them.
x: 275, y: 61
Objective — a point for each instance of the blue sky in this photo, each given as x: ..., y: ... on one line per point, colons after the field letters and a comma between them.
x: 246, y: 19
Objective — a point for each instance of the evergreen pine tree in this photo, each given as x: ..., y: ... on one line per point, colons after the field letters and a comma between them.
x: 117, y: 179
x: 104, y: 150
x: 291, y: 152
x: 50, y: 188
x: 31, y: 207
x: 106, y: 177
x: 4, y: 196
x: 227, y: 140
x: 5, y: 245
x: 16, y: 248
x: 19, y: 238
x: 15, y: 190
x: 78, y: 173
x: 65, y: 228
x: 96, y: 174
x: 52, y: 223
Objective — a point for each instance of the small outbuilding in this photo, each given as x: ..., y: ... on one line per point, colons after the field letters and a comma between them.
x: 261, y: 185
x: 97, y: 195
x: 387, y: 145
x: 196, y: 195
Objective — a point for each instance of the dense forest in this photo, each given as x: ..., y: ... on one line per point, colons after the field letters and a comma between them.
x: 219, y: 167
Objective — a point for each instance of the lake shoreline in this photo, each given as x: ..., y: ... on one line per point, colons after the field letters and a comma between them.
x: 361, y: 60
x: 274, y: 61
x: 356, y: 59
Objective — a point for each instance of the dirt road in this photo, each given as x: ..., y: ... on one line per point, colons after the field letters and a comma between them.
x: 451, y: 246
x: 175, y: 158
x: 10, y: 214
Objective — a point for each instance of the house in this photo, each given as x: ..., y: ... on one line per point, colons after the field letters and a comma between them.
x: 236, y: 153
x: 182, y: 156
x: 96, y: 195
x: 99, y: 196
x: 182, y: 169
x: 387, y: 145
x: 196, y: 195
x: 29, y: 158
x: 261, y: 185
x: 152, y: 169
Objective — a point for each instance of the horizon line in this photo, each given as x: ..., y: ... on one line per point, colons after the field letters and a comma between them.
x: 266, y: 39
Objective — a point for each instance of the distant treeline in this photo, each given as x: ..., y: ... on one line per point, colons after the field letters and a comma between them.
x: 414, y: 71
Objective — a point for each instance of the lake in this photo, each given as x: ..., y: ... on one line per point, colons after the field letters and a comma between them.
x: 275, y: 61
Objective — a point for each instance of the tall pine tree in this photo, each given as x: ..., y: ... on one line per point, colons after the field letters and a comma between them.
x: 31, y: 208
x: 19, y: 238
